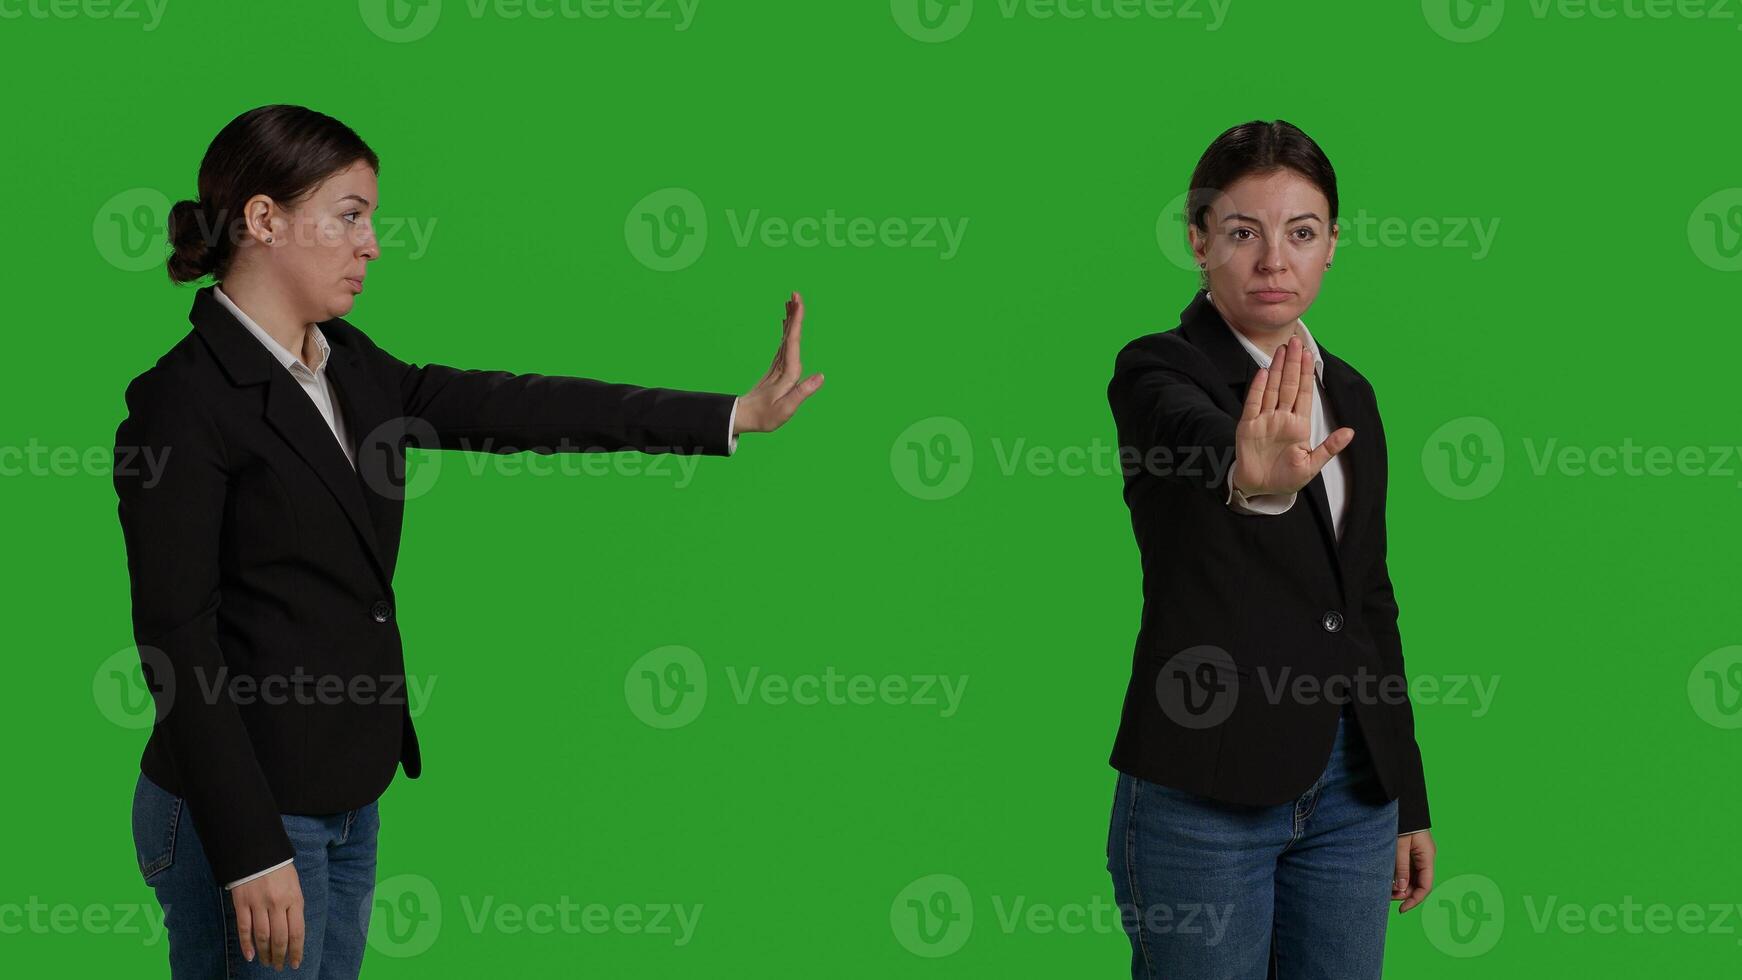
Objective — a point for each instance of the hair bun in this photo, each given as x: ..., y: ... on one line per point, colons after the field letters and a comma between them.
x: 190, y: 231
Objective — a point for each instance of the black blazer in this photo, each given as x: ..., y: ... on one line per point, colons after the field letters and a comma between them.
x: 261, y: 564
x: 1256, y: 628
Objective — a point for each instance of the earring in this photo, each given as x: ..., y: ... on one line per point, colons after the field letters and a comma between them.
x: 269, y: 239
x: 1203, y: 265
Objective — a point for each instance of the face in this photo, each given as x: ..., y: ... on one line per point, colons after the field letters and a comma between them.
x: 321, y: 247
x: 1267, y: 248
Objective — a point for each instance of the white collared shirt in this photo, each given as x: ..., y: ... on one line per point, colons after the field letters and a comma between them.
x: 1336, y: 492
x: 314, y: 381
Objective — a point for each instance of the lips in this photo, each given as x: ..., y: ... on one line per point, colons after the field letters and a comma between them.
x: 356, y: 283
x: 1272, y: 295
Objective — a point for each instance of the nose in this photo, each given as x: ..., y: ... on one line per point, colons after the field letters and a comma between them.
x: 1270, y: 260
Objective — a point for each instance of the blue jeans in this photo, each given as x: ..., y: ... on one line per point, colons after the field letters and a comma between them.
x: 335, y: 866
x: 1296, y: 891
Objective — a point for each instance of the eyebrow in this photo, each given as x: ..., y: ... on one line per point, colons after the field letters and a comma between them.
x: 1246, y: 217
x: 356, y: 197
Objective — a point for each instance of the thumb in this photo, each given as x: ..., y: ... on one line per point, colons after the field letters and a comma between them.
x: 1334, y: 443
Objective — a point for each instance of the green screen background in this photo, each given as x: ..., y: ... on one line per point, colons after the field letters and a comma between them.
x: 1598, y: 609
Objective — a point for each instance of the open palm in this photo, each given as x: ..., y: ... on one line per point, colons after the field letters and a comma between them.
x: 1273, y: 450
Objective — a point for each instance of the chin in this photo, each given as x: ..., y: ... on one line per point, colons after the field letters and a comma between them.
x: 341, y: 304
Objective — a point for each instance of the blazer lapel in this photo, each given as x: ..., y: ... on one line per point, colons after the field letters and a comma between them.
x: 290, y: 411
x: 377, y: 429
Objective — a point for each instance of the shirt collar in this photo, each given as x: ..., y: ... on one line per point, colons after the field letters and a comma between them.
x: 290, y: 361
x: 1263, y: 356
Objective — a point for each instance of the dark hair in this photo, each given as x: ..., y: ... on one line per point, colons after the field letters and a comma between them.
x: 1256, y: 147
x: 282, y: 151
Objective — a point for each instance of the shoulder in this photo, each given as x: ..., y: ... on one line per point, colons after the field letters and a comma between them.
x: 1167, y: 351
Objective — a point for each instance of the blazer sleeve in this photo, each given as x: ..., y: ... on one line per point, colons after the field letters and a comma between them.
x: 1167, y: 423
x: 171, y: 479
x: 1379, y: 609
x: 505, y: 412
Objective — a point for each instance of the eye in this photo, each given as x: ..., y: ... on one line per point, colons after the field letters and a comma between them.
x: 1236, y: 233
x: 1307, y: 234
x: 350, y: 216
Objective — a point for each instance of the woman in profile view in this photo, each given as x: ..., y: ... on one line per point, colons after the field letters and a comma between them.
x: 1270, y: 789
x: 261, y: 549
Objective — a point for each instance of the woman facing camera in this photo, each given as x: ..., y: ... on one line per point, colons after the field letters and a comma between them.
x: 1270, y: 790
x: 261, y: 547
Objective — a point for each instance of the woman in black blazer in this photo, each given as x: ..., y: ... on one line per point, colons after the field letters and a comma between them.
x: 1270, y: 800
x: 260, y: 474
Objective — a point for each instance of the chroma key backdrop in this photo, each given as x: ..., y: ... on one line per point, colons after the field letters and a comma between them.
x: 842, y: 703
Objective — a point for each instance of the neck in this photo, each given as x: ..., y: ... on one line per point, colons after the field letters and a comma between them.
x: 1267, y: 338
x: 271, y: 309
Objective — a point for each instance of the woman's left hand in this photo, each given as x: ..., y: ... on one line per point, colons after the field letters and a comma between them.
x: 767, y: 406
x: 1413, y: 877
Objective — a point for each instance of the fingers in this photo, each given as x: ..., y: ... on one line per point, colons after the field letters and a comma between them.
x: 1255, y: 395
x: 297, y: 929
x: 280, y: 935
x: 1290, y: 375
x: 1303, y: 399
x: 1400, y: 872
x: 245, y: 930
x: 1273, y: 380
x: 262, y: 931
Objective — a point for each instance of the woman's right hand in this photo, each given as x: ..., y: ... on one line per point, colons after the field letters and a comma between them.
x: 269, y: 915
x: 1273, y: 450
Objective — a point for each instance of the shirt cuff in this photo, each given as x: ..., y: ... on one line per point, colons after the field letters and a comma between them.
x: 731, y: 423
x: 1408, y: 832
x: 1262, y: 503
x: 242, y: 881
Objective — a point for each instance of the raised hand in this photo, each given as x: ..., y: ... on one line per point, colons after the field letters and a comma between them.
x: 1273, y: 450
x: 767, y: 406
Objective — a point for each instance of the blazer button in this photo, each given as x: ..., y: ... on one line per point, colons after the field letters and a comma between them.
x: 1332, y: 621
x: 381, y: 610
